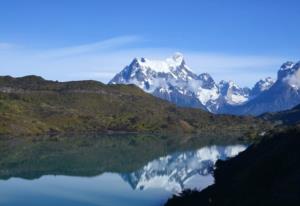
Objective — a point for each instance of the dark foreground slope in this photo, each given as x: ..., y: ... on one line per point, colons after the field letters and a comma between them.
x: 31, y: 105
x: 267, y: 173
x: 291, y: 116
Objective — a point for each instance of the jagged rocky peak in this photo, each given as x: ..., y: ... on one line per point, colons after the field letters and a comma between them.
x: 162, y: 66
x: 172, y: 67
x: 286, y: 69
x: 232, y: 93
x: 261, y: 86
x: 207, y: 81
x: 225, y: 86
x: 205, y: 77
x: 287, y: 65
x: 156, y: 75
x: 177, y: 59
x: 291, y: 77
x: 266, y: 83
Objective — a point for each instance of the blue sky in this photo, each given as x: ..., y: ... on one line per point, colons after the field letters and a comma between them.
x: 240, y: 40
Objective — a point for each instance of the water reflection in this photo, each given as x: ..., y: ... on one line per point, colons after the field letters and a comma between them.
x: 109, y: 171
x: 181, y: 170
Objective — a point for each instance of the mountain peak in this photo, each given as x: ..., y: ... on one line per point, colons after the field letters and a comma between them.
x: 207, y: 81
x: 160, y: 66
x: 265, y: 83
x: 287, y: 65
x: 205, y: 76
x: 233, y: 93
x: 269, y: 79
x: 261, y: 86
x: 228, y: 84
x: 289, y: 70
x: 176, y: 60
x: 178, y: 57
x: 292, y: 76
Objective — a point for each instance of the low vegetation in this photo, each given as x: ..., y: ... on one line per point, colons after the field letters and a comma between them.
x: 33, y: 106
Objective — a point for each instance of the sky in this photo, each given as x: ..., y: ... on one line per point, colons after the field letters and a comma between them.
x: 239, y: 40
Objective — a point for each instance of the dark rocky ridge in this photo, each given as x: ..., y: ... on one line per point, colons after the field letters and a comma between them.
x: 267, y: 173
x: 291, y: 116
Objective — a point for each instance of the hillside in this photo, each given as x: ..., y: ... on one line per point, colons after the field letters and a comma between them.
x: 31, y: 106
x: 267, y: 173
x: 291, y: 116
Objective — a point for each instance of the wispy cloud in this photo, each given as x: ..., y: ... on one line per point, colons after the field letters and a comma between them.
x: 109, y: 44
x: 102, y: 60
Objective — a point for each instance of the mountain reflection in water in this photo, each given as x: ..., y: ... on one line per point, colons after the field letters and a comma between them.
x: 180, y: 171
x: 135, y: 170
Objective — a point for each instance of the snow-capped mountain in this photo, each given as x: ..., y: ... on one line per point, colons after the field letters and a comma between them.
x: 232, y: 93
x: 280, y: 95
x: 261, y: 86
x: 174, y: 81
x: 178, y: 171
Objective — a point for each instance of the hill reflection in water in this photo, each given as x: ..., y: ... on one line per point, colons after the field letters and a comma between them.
x: 105, y: 170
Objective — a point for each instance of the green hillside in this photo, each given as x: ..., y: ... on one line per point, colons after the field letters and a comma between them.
x: 33, y: 106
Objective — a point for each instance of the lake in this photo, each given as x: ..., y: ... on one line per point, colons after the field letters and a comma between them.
x: 106, y: 170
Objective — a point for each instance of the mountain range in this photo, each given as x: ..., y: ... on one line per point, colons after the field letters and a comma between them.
x: 173, y: 80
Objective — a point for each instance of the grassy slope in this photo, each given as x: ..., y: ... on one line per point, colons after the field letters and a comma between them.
x: 267, y: 173
x: 32, y: 106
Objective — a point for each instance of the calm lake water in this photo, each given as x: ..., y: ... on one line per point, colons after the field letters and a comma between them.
x: 104, y: 171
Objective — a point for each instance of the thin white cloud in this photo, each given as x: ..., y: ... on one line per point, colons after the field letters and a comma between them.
x: 113, y: 43
x: 102, y: 60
